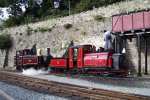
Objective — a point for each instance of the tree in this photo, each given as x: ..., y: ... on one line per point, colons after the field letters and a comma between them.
x: 16, y: 10
x: 5, y: 41
x: 5, y: 44
x: 6, y: 3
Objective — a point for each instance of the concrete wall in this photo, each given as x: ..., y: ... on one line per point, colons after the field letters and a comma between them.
x: 132, y: 54
x: 2, y: 57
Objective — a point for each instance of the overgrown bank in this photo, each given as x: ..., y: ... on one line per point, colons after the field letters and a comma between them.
x: 47, y: 10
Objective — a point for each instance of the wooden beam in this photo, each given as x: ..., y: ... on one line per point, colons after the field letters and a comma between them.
x: 146, y: 69
x: 139, y: 54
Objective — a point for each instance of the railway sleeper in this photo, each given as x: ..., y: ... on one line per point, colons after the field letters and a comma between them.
x: 72, y: 89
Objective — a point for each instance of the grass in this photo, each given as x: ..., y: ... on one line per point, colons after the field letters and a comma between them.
x: 40, y: 29
x: 29, y: 30
x: 44, y: 29
x: 99, y: 18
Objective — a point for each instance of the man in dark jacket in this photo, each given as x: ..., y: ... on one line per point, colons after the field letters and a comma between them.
x: 33, y: 49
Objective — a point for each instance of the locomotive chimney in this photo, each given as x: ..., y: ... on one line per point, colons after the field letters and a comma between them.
x: 48, y: 51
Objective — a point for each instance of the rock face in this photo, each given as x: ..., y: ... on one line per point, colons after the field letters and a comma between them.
x: 84, y: 28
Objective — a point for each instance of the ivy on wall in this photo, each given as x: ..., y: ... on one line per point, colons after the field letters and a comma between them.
x: 5, y: 41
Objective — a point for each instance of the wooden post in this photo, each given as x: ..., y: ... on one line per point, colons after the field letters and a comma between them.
x: 118, y: 44
x: 146, y: 69
x: 139, y: 54
x: 115, y: 48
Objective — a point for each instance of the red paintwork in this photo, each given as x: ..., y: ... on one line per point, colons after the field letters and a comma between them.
x: 27, y: 60
x: 132, y: 21
x: 147, y: 19
x: 80, y: 58
x: 71, y: 65
x: 58, y: 63
x: 98, y: 60
x: 127, y: 22
x: 83, y: 56
x: 117, y: 24
x: 138, y: 21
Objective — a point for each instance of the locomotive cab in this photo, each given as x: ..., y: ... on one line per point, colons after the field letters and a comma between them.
x: 28, y: 58
x: 76, y: 55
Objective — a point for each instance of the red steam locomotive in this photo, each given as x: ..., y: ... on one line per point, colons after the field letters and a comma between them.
x: 85, y: 59
x: 28, y: 58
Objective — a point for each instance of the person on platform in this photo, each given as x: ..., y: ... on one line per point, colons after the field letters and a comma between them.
x: 107, y: 41
x: 33, y: 50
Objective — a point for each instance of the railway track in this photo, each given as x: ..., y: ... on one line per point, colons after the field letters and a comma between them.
x: 67, y: 90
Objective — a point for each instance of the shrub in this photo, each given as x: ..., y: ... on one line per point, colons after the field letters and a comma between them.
x: 67, y: 26
x: 84, y: 33
x: 36, y: 30
x: 43, y: 29
x: 29, y: 30
x: 84, y: 5
x: 10, y: 22
x: 5, y: 41
x: 14, y: 21
x: 99, y: 18
x: 1, y: 27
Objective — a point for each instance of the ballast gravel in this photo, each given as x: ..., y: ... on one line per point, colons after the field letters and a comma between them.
x: 87, y: 83
x: 18, y: 93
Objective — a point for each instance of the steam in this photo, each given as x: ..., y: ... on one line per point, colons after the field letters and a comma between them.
x: 33, y: 71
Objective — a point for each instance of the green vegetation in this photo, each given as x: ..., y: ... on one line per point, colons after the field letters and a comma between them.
x: 83, y: 33
x: 36, y: 13
x: 29, y: 30
x: 5, y: 41
x: 67, y: 26
x: 16, y: 21
x: 54, y: 50
x: 44, y: 29
x: 5, y: 3
x: 40, y: 29
x: 99, y: 18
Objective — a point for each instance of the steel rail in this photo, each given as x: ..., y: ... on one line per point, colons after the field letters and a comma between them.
x: 66, y: 89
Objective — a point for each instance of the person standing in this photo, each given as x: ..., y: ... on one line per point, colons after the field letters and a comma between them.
x: 108, y: 41
x: 33, y: 50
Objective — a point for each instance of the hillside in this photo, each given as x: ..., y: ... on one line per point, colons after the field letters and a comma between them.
x: 27, y: 11
x: 83, y: 28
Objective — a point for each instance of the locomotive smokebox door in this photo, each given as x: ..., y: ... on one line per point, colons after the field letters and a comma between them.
x: 117, y: 61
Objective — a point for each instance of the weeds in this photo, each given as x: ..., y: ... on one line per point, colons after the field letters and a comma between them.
x: 67, y: 26
x: 99, y: 18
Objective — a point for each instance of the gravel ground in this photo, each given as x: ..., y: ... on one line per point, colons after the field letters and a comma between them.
x: 124, y: 82
x: 18, y: 93
x: 139, y: 89
x: 1, y: 98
